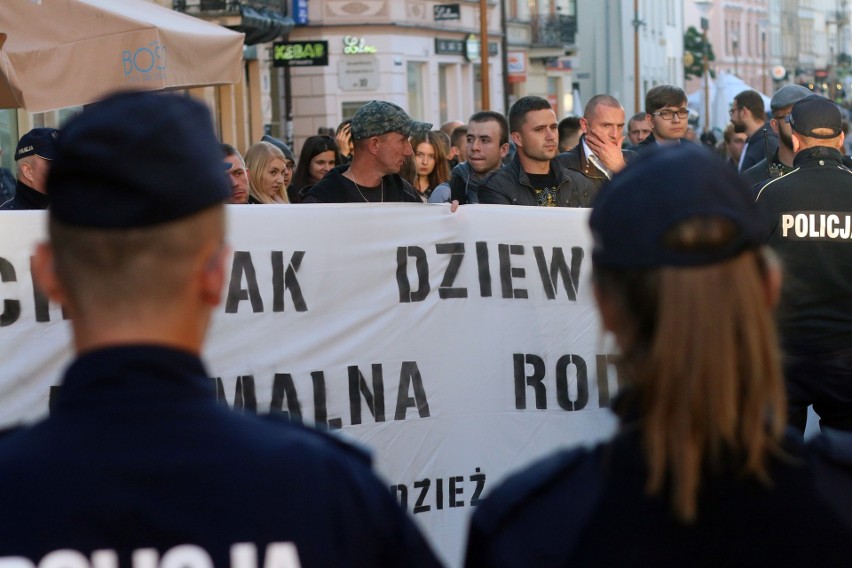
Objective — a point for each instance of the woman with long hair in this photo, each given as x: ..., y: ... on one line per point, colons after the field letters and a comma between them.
x: 700, y: 471
x: 430, y: 167
x: 319, y: 156
x: 267, y: 172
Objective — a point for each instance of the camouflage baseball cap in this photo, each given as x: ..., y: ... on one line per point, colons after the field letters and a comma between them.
x: 379, y: 117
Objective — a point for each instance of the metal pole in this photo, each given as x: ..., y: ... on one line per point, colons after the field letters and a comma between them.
x: 636, y: 56
x: 706, y: 82
x: 483, y: 54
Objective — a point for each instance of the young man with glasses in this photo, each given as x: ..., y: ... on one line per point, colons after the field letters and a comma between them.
x: 665, y: 106
x: 749, y: 112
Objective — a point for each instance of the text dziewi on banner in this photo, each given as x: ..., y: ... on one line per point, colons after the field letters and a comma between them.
x: 458, y: 347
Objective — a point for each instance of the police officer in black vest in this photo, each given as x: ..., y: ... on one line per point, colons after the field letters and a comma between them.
x: 138, y: 465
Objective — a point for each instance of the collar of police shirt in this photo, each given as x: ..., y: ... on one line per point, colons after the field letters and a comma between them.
x: 595, y: 161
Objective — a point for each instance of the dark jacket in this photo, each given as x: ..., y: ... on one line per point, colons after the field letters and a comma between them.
x: 589, y: 507
x: 335, y: 188
x: 26, y: 198
x: 7, y: 185
x: 576, y: 159
x: 760, y: 145
x: 765, y: 170
x: 510, y: 185
x: 810, y: 214
x: 138, y: 454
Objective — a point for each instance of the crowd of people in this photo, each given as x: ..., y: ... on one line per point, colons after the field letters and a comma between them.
x: 724, y: 275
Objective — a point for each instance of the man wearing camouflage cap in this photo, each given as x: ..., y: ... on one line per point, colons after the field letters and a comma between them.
x: 810, y: 210
x: 138, y: 464
x: 380, y: 132
x: 782, y: 160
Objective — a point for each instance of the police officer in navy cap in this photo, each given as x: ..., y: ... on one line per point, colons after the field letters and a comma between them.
x: 811, y: 213
x: 33, y: 156
x: 701, y: 471
x: 138, y: 465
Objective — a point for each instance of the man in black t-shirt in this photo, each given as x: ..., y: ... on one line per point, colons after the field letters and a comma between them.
x: 534, y: 177
x: 380, y: 132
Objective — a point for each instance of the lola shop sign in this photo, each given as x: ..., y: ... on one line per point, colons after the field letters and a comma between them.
x: 457, y: 347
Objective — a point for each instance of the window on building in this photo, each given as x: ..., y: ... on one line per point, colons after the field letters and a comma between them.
x: 416, y: 84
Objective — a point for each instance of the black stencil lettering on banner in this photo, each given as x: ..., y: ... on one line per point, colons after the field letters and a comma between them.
x: 439, y: 494
x: 456, y: 488
x: 245, y: 395
x: 550, y: 276
x: 603, y: 363
x: 421, y: 265
x: 403, y: 495
x: 321, y: 404
x: 479, y: 479
x: 282, y: 281
x: 236, y: 293
x: 484, y: 269
x: 375, y: 399
x: 423, y: 485
x: 508, y: 272
x: 42, y: 305
x: 456, y: 250
x: 11, y: 308
x: 534, y: 380
x: 283, y: 387
x: 409, y: 375
x: 562, y: 383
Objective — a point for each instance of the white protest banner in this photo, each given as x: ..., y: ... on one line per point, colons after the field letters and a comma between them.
x: 457, y: 347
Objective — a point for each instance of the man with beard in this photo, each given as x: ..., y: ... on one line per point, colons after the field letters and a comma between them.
x: 782, y: 160
x: 749, y: 112
x: 535, y: 176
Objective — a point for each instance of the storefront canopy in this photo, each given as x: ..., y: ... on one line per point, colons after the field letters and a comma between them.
x: 61, y: 53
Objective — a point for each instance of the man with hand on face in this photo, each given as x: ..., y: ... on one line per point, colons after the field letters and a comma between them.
x: 380, y: 132
x: 665, y: 107
x: 535, y: 176
x: 487, y: 144
x: 599, y: 156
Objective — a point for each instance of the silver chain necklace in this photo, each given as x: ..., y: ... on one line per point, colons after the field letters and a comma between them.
x: 361, y: 193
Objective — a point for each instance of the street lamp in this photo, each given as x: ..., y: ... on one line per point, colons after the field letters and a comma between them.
x: 735, y: 44
x: 704, y: 7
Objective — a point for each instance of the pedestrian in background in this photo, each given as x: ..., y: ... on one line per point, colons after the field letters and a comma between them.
x: 268, y: 172
x: 319, y: 156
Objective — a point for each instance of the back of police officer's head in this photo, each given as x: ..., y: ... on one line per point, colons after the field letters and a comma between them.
x: 136, y: 223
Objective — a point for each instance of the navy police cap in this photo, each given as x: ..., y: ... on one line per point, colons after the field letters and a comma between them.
x: 632, y: 214
x: 135, y: 160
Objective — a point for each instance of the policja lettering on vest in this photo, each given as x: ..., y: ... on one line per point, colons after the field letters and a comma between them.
x: 816, y: 226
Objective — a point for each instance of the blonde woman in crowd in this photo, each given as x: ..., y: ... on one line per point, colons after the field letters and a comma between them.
x: 268, y: 171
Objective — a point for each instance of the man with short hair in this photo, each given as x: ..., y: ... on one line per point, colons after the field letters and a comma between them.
x: 33, y: 155
x: 749, y: 112
x: 782, y: 160
x: 734, y: 138
x: 534, y: 176
x: 599, y: 156
x: 380, y: 132
x: 569, y: 133
x: 810, y: 210
x: 665, y: 109
x: 237, y: 174
x: 487, y: 144
x: 458, y: 141
x: 137, y: 463
x: 638, y: 128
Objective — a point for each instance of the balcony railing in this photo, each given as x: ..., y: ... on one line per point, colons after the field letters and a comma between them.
x: 553, y: 30
x: 205, y: 7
